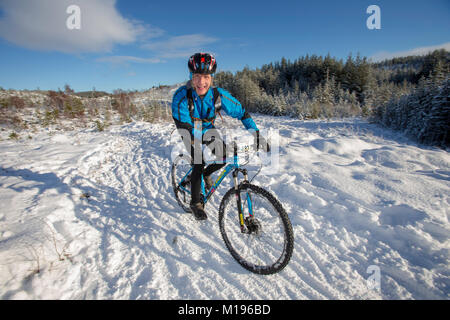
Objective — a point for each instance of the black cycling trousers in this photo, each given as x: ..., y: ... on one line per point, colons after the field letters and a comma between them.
x: 199, y: 168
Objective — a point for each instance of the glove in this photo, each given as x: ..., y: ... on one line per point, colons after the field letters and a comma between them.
x: 261, y: 143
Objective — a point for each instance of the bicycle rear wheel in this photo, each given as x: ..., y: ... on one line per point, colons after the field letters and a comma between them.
x: 182, y: 189
x: 267, y: 243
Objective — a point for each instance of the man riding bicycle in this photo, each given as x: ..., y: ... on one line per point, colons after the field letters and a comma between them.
x: 194, y: 108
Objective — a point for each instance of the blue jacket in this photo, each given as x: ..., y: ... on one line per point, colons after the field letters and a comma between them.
x: 204, y: 109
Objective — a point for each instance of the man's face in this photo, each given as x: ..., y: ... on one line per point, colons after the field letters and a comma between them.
x: 201, y: 83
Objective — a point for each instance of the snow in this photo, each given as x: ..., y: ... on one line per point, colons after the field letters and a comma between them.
x: 91, y: 215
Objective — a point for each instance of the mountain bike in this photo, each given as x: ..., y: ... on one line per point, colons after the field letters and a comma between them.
x: 254, y: 226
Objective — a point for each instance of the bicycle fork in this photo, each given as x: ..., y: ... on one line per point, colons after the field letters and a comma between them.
x: 239, y: 200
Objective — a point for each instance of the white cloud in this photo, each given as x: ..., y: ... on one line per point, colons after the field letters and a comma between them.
x: 172, y: 47
x: 382, y: 55
x: 180, y: 46
x: 127, y: 59
x: 41, y: 25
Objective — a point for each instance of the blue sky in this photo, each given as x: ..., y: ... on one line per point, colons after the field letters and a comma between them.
x: 139, y: 44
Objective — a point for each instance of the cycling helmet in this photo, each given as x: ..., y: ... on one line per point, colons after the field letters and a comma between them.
x: 203, y: 63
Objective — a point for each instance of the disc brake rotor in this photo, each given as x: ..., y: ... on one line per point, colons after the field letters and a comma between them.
x: 253, y: 225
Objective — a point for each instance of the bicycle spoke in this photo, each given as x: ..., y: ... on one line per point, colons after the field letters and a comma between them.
x: 254, y: 247
x: 264, y: 244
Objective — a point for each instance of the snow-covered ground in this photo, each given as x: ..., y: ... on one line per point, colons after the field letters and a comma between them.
x: 91, y: 215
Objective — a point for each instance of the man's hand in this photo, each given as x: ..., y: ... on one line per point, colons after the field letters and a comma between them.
x: 260, y: 142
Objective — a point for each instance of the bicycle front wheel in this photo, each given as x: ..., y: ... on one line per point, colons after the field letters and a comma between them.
x: 265, y: 245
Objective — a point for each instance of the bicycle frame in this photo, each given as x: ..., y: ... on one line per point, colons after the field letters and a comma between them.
x: 233, y: 166
x: 256, y: 208
x: 206, y: 196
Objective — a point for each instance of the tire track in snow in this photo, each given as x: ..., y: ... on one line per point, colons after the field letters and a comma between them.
x: 165, y: 254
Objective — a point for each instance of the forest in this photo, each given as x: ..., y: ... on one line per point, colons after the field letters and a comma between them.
x: 408, y: 93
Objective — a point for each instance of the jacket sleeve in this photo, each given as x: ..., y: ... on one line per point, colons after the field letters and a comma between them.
x: 180, y: 110
x: 234, y: 109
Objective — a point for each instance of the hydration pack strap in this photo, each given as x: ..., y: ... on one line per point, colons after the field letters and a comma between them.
x: 216, y: 101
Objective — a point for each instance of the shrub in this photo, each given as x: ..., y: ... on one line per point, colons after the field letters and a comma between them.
x: 50, y: 117
x: 17, y: 102
x: 73, y: 108
x: 14, y: 136
x: 121, y: 102
x: 100, y: 126
x: 56, y: 99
